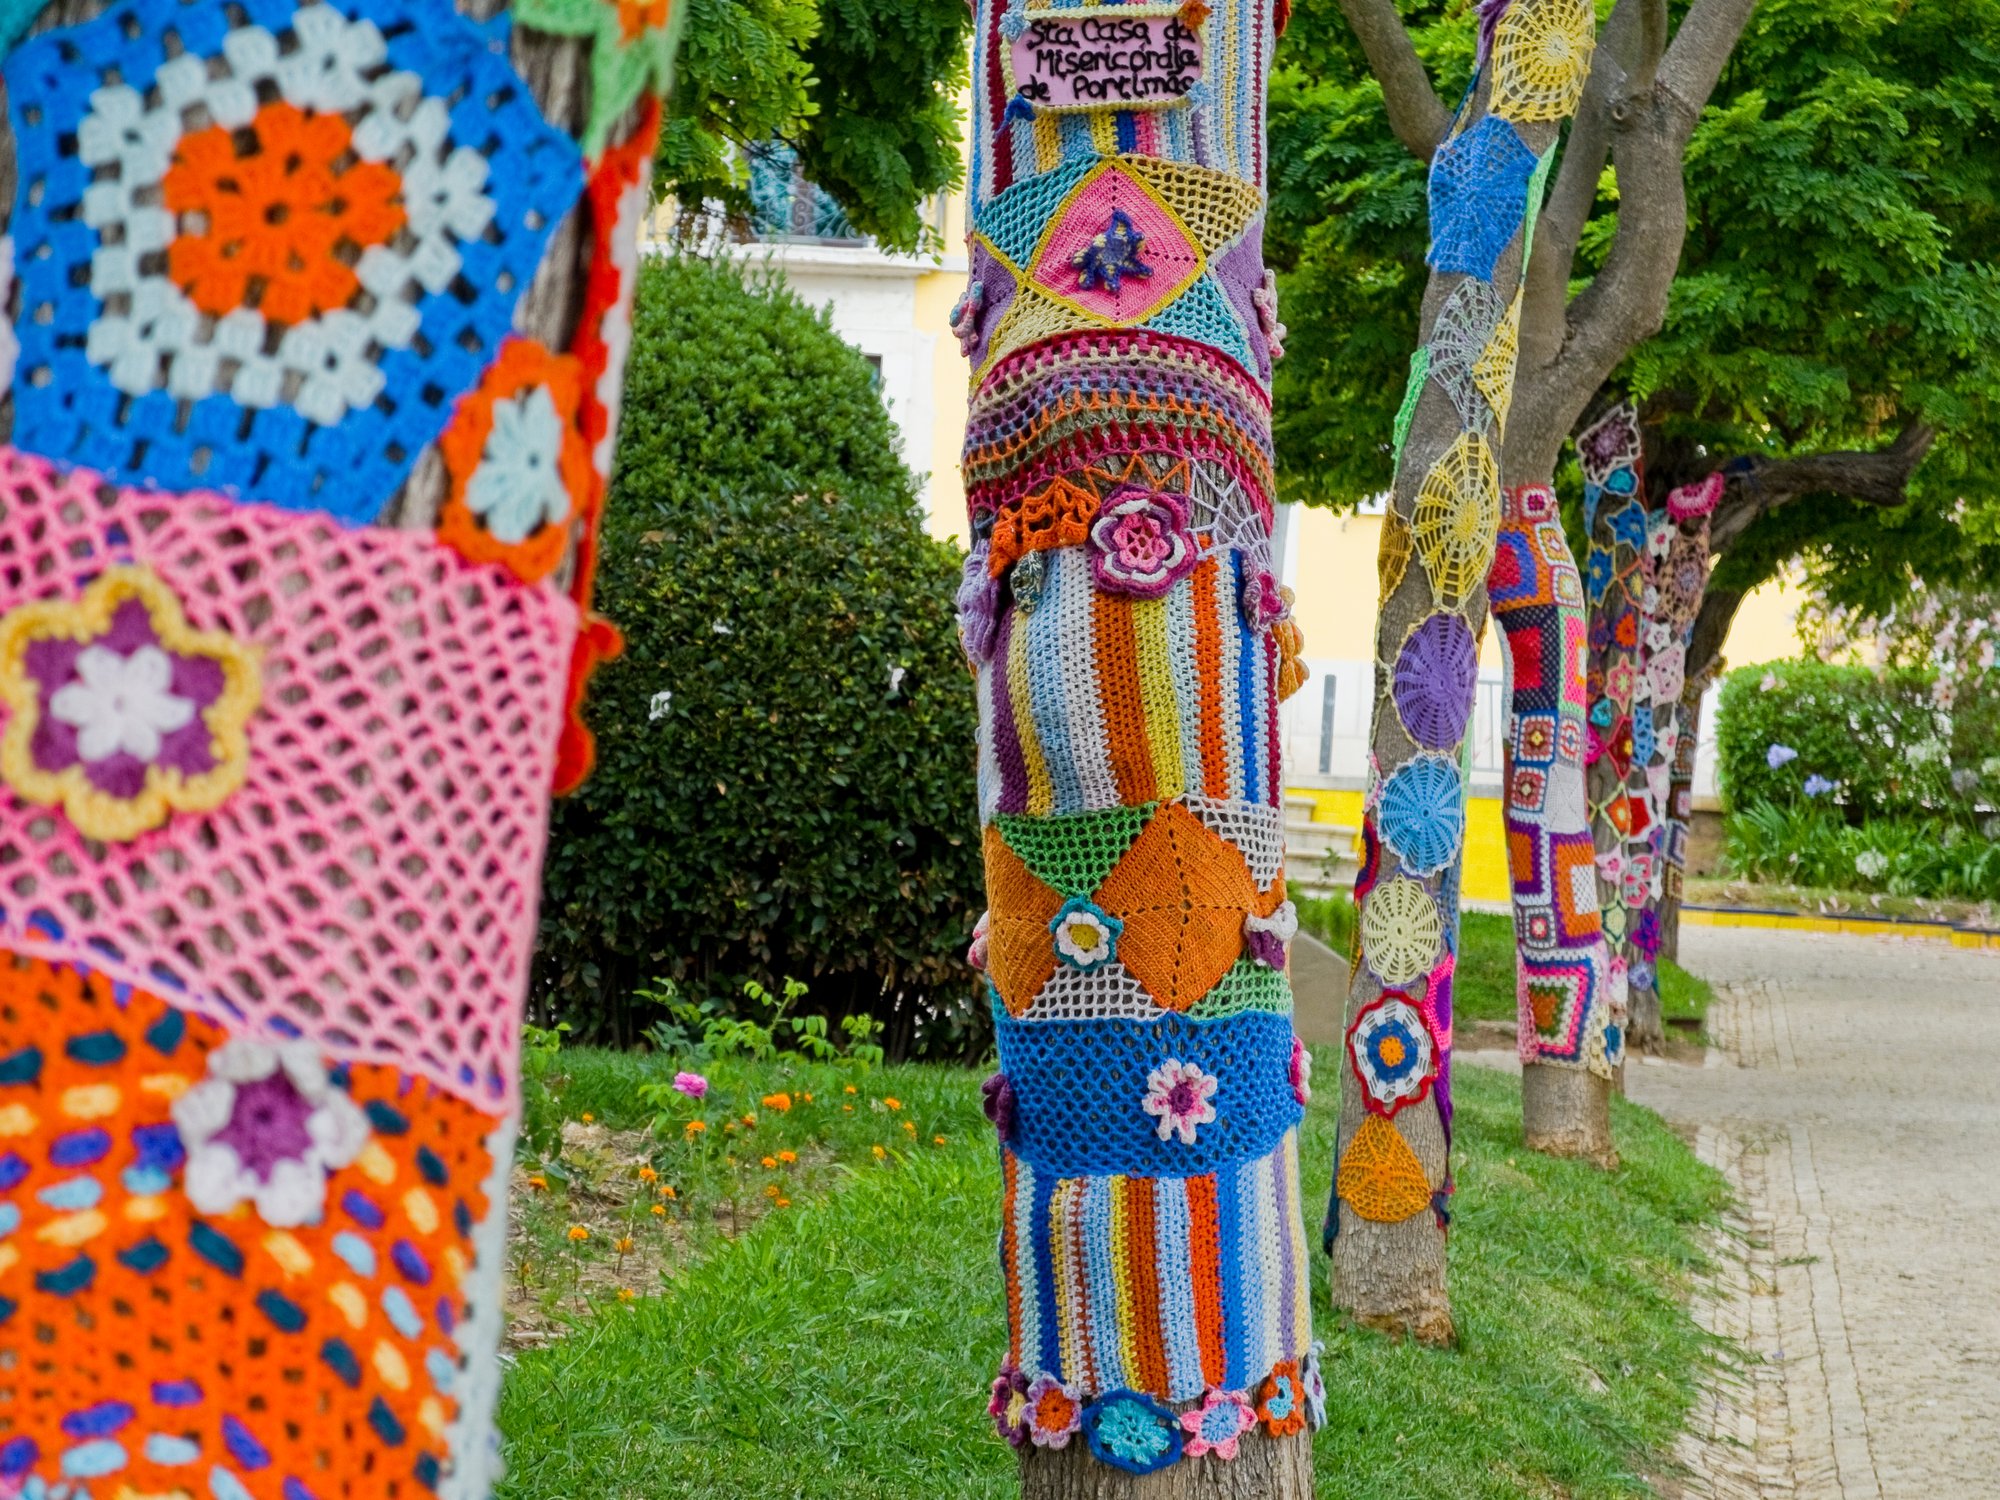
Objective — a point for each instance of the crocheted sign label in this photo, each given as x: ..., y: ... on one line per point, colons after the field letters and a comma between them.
x: 1105, y: 57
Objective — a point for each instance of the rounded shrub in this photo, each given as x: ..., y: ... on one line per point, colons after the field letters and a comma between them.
x: 785, y: 751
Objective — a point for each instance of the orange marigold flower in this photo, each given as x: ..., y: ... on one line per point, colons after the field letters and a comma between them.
x: 647, y: 1174
x: 890, y: 1101
x: 589, y: 1118
x: 624, y: 1246
x: 783, y: 1203
x: 807, y: 1097
x: 880, y: 1154
x: 695, y: 1127
x: 578, y: 1233
x: 937, y: 1140
x: 750, y: 1120
x: 770, y: 1163
x: 789, y: 1158
x: 779, y: 1102
x: 852, y: 1089
x: 911, y: 1126
x: 539, y: 1184
x: 667, y: 1190
x: 771, y: 1191
x: 626, y: 1294
x: 847, y: 1109
x: 659, y: 1210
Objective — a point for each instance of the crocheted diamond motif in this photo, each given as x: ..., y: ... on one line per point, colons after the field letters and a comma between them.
x: 1115, y: 250
x: 266, y: 257
x: 1479, y: 193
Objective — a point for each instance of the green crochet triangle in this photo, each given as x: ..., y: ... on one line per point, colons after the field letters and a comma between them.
x: 1420, y: 369
x: 1074, y: 851
x: 1248, y: 986
x: 1536, y: 184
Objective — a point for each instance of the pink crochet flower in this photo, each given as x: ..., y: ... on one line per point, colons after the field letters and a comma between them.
x: 1301, y: 1072
x: 1215, y: 1425
x: 1182, y: 1096
x: 1139, y: 543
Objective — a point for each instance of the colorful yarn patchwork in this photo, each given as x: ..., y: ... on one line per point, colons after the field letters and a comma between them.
x: 363, y: 876
x: 1131, y: 644
x: 169, y: 1351
x: 1095, y: 700
x: 1537, y: 600
x: 172, y: 333
x: 1166, y: 1286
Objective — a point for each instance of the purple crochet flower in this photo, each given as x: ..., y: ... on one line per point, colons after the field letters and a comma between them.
x: 1261, y: 602
x: 1139, y: 543
x: 997, y: 1099
x: 1009, y: 1406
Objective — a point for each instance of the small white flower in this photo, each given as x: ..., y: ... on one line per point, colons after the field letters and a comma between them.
x: 122, y: 704
x: 297, y: 1128
x: 896, y: 676
x: 1871, y: 864
x: 1182, y: 1096
x: 662, y: 705
x: 518, y: 486
x: 1085, y: 937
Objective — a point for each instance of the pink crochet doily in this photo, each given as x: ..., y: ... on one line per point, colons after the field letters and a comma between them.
x: 372, y: 883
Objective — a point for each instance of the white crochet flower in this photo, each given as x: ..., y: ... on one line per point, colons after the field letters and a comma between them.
x: 518, y: 486
x: 121, y: 704
x: 1182, y: 1096
x: 267, y: 1126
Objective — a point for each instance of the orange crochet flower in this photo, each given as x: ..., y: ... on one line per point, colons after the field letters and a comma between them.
x: 519, y: 467
x: 1281, y: 1400
x: 283, y: 221
x: 637, y: 17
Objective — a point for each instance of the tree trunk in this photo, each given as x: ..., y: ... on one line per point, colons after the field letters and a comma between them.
x: 1393, y: 1184
x: 1562, y: 968
x: 1131, y: 645
x: 292, y: 477
x: 1615, y: 513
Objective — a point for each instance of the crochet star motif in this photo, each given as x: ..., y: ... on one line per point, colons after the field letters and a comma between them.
x: 1112, y: 256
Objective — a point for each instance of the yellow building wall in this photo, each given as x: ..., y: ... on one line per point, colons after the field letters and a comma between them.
x: 1485, y: 835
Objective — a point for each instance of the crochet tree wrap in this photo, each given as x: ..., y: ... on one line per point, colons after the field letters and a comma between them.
x: 314, y: 362
x: 1131, y: 644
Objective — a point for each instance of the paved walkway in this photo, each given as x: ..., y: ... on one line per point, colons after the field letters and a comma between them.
x: 1853, y: 1096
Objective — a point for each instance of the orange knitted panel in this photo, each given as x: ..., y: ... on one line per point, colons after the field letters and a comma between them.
x: 1021, y: 955
x: 1182, y: 893
x: 1380, y: 1177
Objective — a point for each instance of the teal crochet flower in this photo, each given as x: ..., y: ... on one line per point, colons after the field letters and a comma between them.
x: 1131, y: 1431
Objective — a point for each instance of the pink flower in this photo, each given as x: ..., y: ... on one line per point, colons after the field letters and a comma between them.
x: 1139, y: 542
x: 1301, y: 1072
x: 691, y: 1084
x: 1182, y: 1096
x: 1216, y: 1424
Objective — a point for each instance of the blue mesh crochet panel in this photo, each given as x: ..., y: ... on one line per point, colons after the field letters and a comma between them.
x: 1080, y: 1089
x: 1479, y: 193
x: 264, y: 448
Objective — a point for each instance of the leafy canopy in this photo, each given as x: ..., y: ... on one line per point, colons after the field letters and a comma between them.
x: 865, y: 90
x: 1839, y: 278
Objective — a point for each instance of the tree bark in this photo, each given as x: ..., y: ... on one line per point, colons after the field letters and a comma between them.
x: 353, y: 912
x: 1393, y: 1185
x: 1131, y: 646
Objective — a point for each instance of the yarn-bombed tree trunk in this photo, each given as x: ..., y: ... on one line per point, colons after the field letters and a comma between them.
x: 1614, y: 505
x: 1570, y: 1050
x: 320, y: 320
x: 1392, y: 1189
x: 1131, y: 646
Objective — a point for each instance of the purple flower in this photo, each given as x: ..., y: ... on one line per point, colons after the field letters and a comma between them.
x: 978, y: 605
x: 1009, y: 1406
x: 1139, y: 543
x: 1779, y: 755
x: 1817, y: 785
x: 692, y: 1084
x: 997, y: 1099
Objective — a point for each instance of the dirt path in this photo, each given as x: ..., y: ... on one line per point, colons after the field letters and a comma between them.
x: 1853, y: 1095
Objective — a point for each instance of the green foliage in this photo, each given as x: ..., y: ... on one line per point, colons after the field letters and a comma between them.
x: 866, y: 90
x: 784, y: 778
x: 1875, y: 736
x: 702, y: 1031
x: 836, y: 1350
x: 1841, y: 275
x: 542, y: 1084
x: 1809, y: 845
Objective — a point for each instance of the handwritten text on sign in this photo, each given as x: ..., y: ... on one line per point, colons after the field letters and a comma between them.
x: 1130, y: 62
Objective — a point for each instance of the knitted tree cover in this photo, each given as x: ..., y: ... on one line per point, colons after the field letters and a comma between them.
x: 1537, y: 600
x: 1391, y: 1193
x: 1131, y: 643
x: 306, y: 425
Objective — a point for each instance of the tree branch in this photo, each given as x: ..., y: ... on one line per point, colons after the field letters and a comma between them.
x: 1711, y: 630
x: 1759, y: 486
x: 1652, y: 44
x: 1416, y: 114
x: 1700, y: 49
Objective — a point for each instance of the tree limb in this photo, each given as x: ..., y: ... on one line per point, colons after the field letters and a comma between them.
x: 1416, y: 114
x: 1652, y: 44
x: 1759, y: 486
x: 1711, y: 630
x: 1700, y: 49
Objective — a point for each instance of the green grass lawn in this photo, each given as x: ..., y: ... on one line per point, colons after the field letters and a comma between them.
x: 841, y: 1347
x: 1483, y: 983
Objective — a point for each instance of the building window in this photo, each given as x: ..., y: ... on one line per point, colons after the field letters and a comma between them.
x: 785, y: 206
x: 874, y: 370
x: 1328, y: 684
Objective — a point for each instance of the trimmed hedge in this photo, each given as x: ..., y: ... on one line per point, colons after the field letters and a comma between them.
x: 800, y: 802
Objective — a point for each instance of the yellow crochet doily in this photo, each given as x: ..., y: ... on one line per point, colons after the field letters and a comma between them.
x: 1401, y: 931
x: 1457, y: 518
x: 1541, y: 57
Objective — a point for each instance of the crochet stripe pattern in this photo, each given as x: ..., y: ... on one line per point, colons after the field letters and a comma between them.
x: 296, y: 513
x: 1131, y: 645
x: 1536, y: 596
